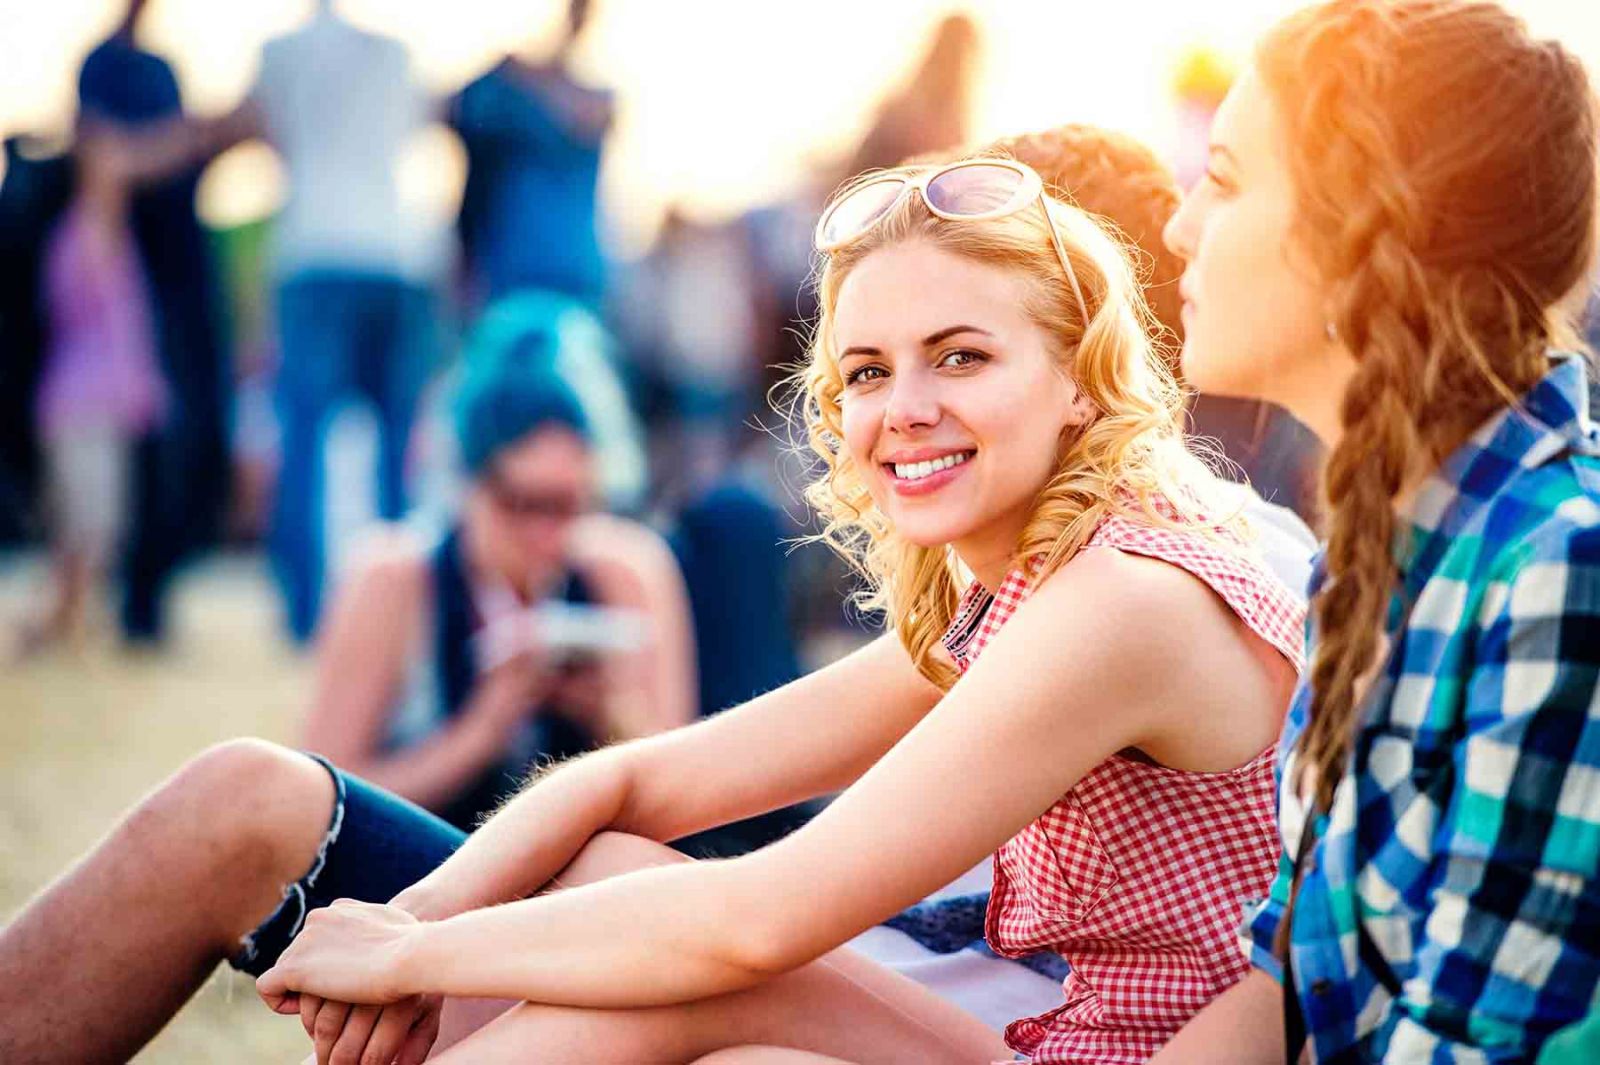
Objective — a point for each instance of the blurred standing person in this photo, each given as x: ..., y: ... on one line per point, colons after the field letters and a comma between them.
x: 354, y: 311
x: 529, y: 230
x: 100, y: 389
x: 932, y: 111
x: 533, y: 137
x: 691, y: 314
x: 180, y: 479
x: 34, y: 191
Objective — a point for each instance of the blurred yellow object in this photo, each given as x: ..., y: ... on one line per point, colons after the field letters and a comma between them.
x: 1202, y: 76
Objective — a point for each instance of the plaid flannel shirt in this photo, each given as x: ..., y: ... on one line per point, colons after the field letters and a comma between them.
x: 1460, y: 862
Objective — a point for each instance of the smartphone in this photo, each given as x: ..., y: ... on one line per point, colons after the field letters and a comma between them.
x: 565, y: 631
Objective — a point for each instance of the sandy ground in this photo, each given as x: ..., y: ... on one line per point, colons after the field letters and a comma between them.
x: 85, y: 732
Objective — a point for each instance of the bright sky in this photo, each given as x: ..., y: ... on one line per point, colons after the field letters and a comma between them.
x: 721, y: 102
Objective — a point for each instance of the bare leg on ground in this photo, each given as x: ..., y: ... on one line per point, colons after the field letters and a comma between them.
x: 101, y: 959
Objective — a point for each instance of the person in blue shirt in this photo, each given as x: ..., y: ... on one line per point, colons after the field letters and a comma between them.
x: 1394, y: 233
x: 533, y: 137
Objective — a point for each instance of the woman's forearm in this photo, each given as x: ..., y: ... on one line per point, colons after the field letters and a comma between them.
x: 531, y: 839
x: 593, y: 947
x: 1242, y: 1026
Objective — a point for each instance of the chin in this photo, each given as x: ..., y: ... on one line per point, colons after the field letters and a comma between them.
x: 1206, y: 373
x: 926, y: 530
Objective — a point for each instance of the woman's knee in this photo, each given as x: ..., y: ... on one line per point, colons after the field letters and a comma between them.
x: 765, y: 1055
x: 609, y: 854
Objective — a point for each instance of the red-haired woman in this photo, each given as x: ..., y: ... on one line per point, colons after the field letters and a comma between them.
x: 1397, y: 222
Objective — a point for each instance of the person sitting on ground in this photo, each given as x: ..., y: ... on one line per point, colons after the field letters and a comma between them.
x: 1004, y: 457
x: 531, y: 631
x: 1397, y: 226
x: 1123, y: 184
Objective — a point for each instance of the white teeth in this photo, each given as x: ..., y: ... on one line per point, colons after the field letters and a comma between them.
x: 915, y: 471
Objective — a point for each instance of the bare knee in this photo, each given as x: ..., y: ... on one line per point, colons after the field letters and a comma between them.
x: 243, y: 799
x: 763, y: 1055
x: 609, y: 854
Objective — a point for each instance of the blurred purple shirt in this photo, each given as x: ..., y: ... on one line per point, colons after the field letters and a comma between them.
x: 100, y: 365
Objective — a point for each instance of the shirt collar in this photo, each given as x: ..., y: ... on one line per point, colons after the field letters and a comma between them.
x: 1551, y: 420
x: 979, y: 615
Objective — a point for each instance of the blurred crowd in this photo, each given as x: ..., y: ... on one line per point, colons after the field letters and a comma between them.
x: 169, y: 389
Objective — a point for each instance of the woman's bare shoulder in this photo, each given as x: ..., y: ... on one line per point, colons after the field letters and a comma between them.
x: 388, y: 562
x: 620, y: 550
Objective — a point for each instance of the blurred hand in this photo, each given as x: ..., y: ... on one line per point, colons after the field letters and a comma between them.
x: 580, y: 694
x: 510, y: 691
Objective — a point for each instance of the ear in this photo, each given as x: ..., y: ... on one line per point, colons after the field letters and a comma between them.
x: 1080, y: 408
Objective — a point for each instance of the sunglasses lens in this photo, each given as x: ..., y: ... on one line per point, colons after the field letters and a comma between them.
x: 974, y: 189
x: 858, y: 210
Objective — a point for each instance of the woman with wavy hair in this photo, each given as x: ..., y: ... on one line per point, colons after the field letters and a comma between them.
x: 1085, y: 677
x: 1004, y: 461
x: 1392, y: 241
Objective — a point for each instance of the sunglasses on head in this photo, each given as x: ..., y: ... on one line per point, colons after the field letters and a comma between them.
x: 973, y: 190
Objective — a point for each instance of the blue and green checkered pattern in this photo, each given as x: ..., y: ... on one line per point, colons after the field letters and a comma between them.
x: 1460, y: 863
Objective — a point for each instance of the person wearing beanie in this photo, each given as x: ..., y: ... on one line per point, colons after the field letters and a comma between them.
x: 531, y: 630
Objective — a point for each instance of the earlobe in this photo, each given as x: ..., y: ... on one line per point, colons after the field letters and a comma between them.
x: 1080, y: 409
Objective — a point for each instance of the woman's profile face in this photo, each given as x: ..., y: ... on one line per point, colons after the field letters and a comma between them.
x: 954, y: 403
x: 1253, y: 312
x: 524, y: 503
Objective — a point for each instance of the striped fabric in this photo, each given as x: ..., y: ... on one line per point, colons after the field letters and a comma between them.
x: 1450, y: 910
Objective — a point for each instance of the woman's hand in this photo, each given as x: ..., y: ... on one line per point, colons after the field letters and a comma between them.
x: 401, y: 1033
x: 349, y: 952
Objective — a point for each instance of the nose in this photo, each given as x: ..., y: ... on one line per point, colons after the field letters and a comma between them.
x: 1178, y: 233
x: 913, y: 403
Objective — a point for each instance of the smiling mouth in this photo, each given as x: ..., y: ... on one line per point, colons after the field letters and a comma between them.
x: 917, y: 471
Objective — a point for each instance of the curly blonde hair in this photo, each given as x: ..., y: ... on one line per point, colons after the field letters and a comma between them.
x: 1445, y: 169
x: 1130, y: 457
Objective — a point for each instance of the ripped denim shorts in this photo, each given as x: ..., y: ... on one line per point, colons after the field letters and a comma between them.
x: 376, y: 846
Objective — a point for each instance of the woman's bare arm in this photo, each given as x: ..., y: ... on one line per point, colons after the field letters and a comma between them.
x: 654, y: 688
x: 1106, y: 655
x: 810, y: 737
x: 370, y: 636
x: 1241, y: 1026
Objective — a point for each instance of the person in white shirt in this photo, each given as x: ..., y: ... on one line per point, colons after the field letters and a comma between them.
x: 352, y: 269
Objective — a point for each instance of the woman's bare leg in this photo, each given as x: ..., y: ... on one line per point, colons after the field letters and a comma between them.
x: 767, y: 1056
x: 101, y: 959
x: 606, y: 855
x: 842, y: 1005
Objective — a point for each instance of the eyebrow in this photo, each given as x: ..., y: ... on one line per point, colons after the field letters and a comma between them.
x: 928, y: 341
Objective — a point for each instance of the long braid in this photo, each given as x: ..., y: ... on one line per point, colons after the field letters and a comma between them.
x: 1446, y: 307
x: 1448, y: 245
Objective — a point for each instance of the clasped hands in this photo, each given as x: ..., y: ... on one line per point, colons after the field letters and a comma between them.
x: 342, y: 976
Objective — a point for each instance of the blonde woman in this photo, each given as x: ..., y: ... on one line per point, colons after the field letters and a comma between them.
x: 1085, y: 677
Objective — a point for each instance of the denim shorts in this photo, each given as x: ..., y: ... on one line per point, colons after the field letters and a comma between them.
x: 376, y: 846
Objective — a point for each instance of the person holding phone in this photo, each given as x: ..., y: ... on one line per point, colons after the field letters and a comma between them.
x: 530, y: 631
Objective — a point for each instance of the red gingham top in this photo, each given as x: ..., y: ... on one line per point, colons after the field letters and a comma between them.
x: 1139, y: 874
